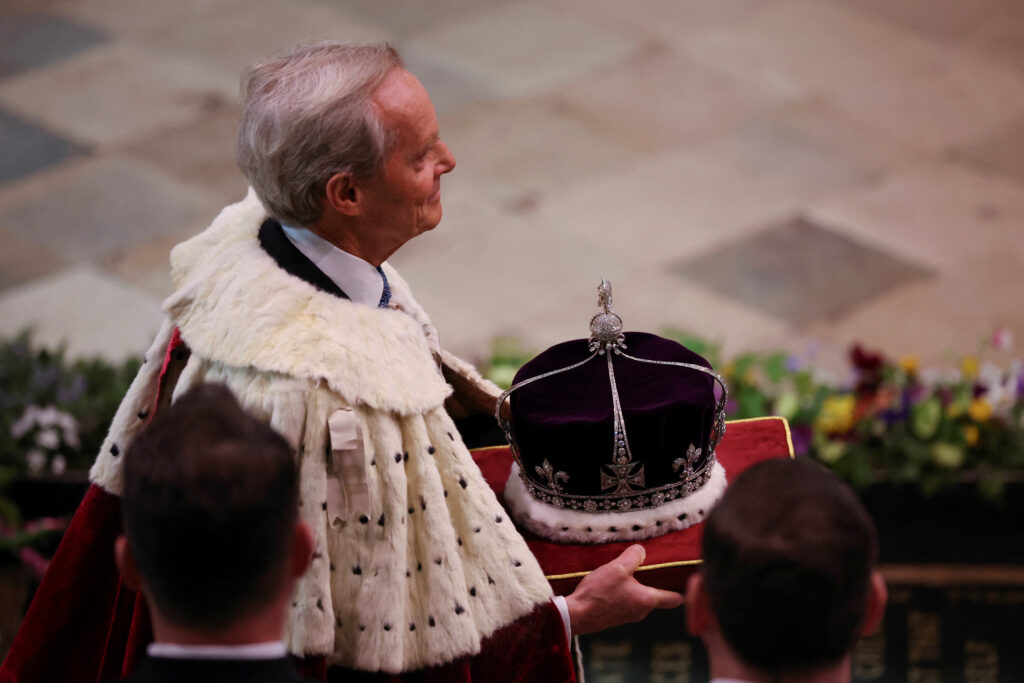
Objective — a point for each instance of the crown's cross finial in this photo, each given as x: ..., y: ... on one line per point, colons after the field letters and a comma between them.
x: 604, y: 295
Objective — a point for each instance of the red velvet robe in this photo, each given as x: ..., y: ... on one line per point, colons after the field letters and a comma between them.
x: 85, y: 626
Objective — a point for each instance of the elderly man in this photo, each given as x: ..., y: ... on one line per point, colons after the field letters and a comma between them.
x: 287, y: 299
x: 789, y: 581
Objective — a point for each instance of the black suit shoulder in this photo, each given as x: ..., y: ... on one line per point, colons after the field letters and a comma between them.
x: 168, y: 670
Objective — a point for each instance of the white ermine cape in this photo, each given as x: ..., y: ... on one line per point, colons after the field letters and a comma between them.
x: 416, y: 561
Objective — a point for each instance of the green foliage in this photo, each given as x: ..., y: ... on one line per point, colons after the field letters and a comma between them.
x: 888, y: 421
x: 54, y: 414
x: 42, y: 382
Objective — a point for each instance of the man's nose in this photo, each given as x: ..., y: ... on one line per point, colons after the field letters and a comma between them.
x: 447, y: 160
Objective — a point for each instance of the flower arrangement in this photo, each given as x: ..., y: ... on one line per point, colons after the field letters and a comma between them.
x: 887, y: 420
x: 54, y: 414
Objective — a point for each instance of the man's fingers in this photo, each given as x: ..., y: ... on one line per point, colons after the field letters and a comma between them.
x: 665, y: 599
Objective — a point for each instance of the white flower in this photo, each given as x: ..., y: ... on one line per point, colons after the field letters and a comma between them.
x: 36, y: 461
x: 26, y: 422
x: 48, y: 438
x: 58, y: 464
x: 929, y: 377
x: 48, y: 416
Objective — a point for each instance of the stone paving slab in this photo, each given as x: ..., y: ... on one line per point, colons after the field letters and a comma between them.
x: 22, y: 260
x: 687, y: 202
x: 942, y: 319
x: 408, y: 17
x: 542, y: 151
x: 800, y: 271
x: 1000, y: 36
x: 29, y: 40
x: 944, y: 22
x: 93, y: 313
x: 450, y: 88
x: 940, y: 215
x: 1002, y: 151
x: 872, y: 153
x: 524, y: 48
x: 232, y: 37
x: 105, y: 205
x: 27, y: 148
x: 660, y: 100
x: 868, y: 70
x: 141, y: 17
x: 118, y: 92
x: 667, y: 21
x: 200, y: 153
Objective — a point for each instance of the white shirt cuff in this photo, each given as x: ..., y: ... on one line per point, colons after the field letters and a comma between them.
x: 563, y: 609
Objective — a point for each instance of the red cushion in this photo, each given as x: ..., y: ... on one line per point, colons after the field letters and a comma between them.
x: 670, y: 558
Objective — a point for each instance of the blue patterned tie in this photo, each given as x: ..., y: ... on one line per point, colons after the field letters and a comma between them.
x: 385, y: 296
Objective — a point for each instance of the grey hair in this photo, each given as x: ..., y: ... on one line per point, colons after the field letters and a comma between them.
x: 307, y: 116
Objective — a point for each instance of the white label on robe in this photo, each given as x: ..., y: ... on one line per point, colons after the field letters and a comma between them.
x: 347, y: 491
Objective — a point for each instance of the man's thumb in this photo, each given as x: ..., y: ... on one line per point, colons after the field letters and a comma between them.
x: 631, y: 558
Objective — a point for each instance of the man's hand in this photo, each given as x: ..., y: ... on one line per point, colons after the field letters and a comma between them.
x: 610, y: 596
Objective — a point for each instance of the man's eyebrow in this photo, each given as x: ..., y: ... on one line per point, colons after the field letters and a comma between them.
x: 431, y: 141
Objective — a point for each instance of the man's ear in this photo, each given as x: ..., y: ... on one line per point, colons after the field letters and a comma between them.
x: 342, y: 194
x: 699, y: 617
x: 125, y: 559
x: 878, y: 596
x: 302, y: 550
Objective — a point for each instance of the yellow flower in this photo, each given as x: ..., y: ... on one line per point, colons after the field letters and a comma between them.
x: 980, y: 410
x: 910, y: 364
x: 971, y: 435
x: 947, y: 455
x: 969, y: 366
x: 832, y: 451
x: 836, y: 416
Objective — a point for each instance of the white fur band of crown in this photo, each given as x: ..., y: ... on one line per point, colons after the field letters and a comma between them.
x: 576, y: 526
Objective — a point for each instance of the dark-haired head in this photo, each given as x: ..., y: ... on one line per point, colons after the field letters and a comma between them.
x: 209, y: 507
x: 789, y: 558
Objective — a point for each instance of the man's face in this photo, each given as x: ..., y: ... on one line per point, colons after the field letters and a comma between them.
x: 405, y: 199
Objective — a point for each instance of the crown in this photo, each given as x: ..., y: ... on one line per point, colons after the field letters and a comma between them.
x: 595, y: 429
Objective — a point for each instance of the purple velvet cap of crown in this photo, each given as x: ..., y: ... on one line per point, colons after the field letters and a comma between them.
x: 567, y: 419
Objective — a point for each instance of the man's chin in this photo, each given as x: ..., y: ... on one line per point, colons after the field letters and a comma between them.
x: 430, y: 220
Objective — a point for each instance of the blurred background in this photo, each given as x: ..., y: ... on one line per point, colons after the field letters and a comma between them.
x: 774, y: 180
x: 762, y: 173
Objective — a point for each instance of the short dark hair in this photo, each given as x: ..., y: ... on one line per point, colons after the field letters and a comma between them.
x: 788, y: 556
x: 209, y: 507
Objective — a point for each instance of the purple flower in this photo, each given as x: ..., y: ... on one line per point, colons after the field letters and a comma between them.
x: 72, y: 392
x: 793, y: 363
x: 44, y: 378
x: 801, y: 435
x: 898, y: 413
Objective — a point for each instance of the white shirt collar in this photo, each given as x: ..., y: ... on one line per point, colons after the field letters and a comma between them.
x: 271, y: 650
x: 354, y: 276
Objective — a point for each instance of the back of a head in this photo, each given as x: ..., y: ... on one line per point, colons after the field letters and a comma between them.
x: 210, y: 507
x: 788, y: 556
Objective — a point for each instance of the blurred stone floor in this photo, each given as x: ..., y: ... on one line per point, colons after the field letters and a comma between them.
x: 766, y: 173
